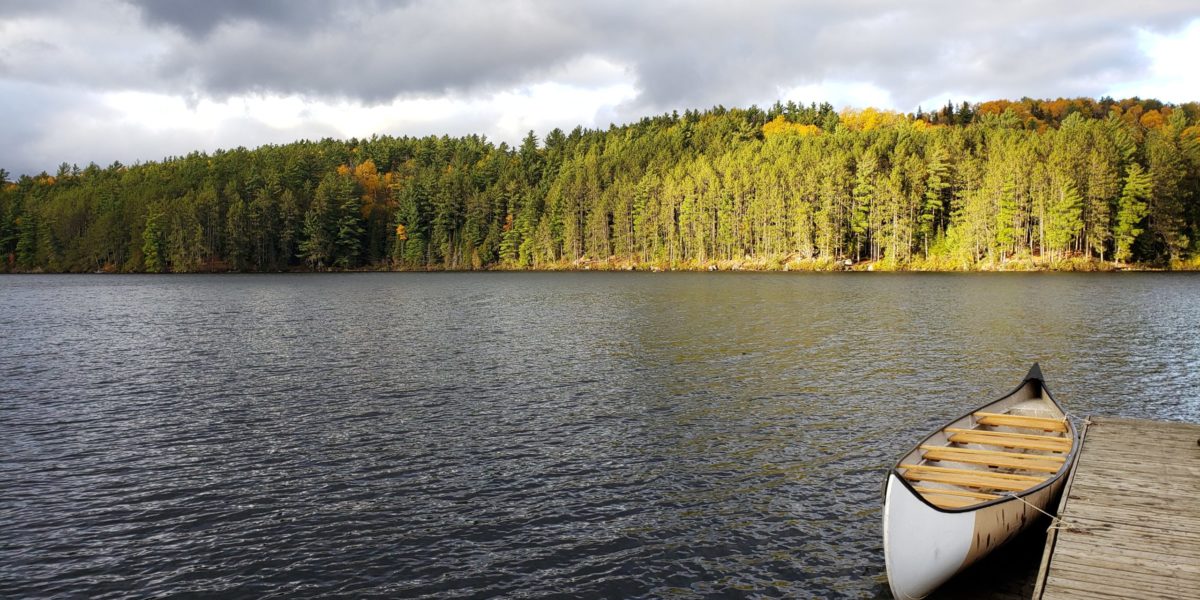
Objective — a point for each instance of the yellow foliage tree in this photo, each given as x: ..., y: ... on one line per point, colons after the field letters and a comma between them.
x: 1191, y: 133
x: 781, y: 126
x: 370, y: 183
x: 1152, y: 120
x: 993, y: 107
x: 869, y: 118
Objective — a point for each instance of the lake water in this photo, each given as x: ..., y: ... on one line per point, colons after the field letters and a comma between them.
x: 521, y: 434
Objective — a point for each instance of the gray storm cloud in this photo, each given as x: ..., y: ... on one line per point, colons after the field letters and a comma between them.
x: 676, y: 54
x: 681, y: 53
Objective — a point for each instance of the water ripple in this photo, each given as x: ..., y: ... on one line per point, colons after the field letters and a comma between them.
x: 529, y: 435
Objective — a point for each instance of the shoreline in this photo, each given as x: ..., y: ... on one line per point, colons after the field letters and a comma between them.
x: 748, y: 265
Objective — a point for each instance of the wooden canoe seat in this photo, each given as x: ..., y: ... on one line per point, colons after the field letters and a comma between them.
x: 974, y: 472
x: 963, y: 493
x: 1008, y: 460
x: 991, y: 480
x: 1058, y: 458
x: 1009, y: 440
x: 1010, y: 434
x: 941, y: 501
x: 1023, y: 422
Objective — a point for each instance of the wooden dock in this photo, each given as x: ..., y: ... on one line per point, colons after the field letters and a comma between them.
x: 1131, y: 515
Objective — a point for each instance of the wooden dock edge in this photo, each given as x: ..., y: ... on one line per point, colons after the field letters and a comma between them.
x: 1052, y: 534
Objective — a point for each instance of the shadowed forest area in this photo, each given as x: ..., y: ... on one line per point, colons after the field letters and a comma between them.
x: 1059, y: 184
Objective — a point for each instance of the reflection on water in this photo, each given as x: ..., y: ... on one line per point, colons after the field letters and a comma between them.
x: 466, y: 435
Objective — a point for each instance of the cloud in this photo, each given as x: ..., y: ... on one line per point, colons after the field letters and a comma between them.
x: 416, y: 49
x: 231, y: 72
x: 139, y: 126
x: 1172, y: 73
x: 29, y: 109
x: 680, y: 54
x: 88, y: 45
x: 199, y: 19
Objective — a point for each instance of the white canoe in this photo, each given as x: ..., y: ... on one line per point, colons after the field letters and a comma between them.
x: 972, y: 485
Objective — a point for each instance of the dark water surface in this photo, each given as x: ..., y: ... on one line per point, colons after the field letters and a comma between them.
x: 527, y: 435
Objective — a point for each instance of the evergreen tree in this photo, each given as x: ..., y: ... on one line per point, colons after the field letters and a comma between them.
x: 27, y: 240
x: 237, y: 233
x: 1131, y: 210
x: 317, y: 241
x: 934, y: 202
x: 1064, y: 216
x: 348, y: 241
x: 152, y: 245
x: 680, y: 189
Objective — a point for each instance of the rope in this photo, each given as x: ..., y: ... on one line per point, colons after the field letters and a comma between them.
x: 1080, y: 420
x: 1055, y: 522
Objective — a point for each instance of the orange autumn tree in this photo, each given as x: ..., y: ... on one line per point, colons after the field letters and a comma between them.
x: 1152, y: 119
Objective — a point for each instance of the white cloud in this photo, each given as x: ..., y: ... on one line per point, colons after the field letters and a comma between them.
x: 842, y: 94
x: 131, y: 80
x: 1172, y: 75
x: 133, y: 126
x: 93, y: 45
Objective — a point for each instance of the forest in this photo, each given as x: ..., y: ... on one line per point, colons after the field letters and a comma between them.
x: 1029, y: 184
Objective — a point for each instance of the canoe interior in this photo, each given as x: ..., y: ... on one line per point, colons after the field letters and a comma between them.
x: 1006, y: 447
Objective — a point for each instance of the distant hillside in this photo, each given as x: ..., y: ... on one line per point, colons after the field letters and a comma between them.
x: 1026, y: 184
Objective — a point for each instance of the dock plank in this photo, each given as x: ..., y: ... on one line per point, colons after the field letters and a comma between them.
x: 1135, y: 519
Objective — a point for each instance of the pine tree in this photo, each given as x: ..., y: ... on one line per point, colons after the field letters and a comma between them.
x: 864, y: 196
x: 934, y: 204
x: 316, y: 243
x: 348, y: 242
x: 237, y: 233
x: 1064, y: 216
x: 1131, y: 210
x: 290, y: 221
x: 152, y: 245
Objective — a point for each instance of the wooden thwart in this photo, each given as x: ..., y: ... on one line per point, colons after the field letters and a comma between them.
x: 947, y: 502
x: 1007, y: 461
x: 1009, y: 440
x: 967, y: 438
x: 1015, y: 436
x: 971, y: 478
x: 1056, y: 458
x: 974, y: 472
x: 1007, y: 485
x: 963, y: 493
x: 1002, y: 420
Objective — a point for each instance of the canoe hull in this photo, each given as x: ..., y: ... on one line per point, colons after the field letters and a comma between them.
x: 926, y: 542
x: 924, y: 547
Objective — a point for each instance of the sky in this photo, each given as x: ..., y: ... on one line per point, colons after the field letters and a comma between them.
x: 137, y: 80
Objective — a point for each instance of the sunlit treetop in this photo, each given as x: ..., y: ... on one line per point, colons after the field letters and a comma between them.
x: 869, y: 119
x: 781, y: 126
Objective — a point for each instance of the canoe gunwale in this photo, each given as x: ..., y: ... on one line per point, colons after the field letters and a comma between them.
x: 1035, y: 375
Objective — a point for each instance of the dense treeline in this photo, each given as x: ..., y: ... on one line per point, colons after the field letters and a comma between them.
x: 972, y: 186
